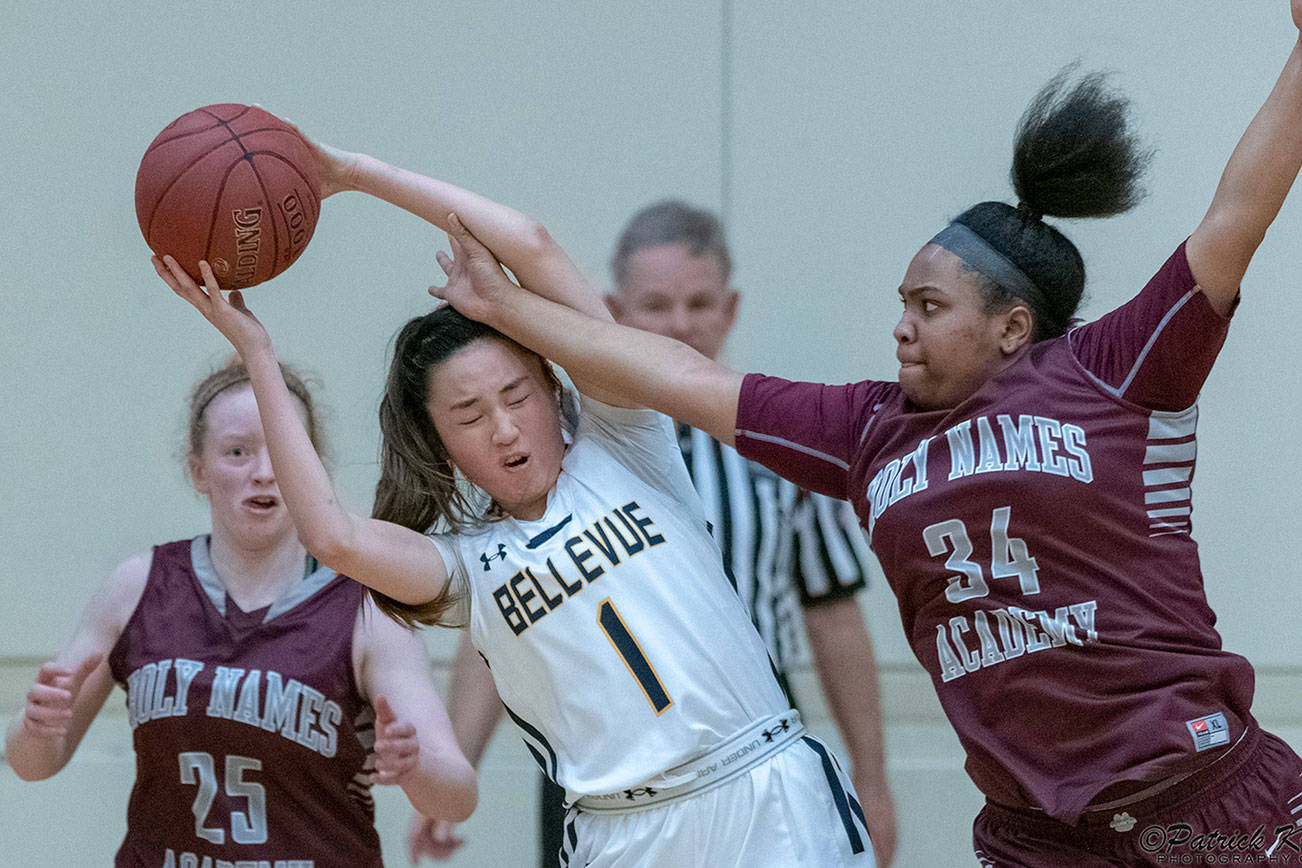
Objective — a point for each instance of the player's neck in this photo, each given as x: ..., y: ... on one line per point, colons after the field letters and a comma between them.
x: 257, y: 577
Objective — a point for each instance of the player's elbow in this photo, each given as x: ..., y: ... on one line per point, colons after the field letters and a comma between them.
x: 464, y: 801
x: 536, y: 242
x: 28, y: 768
x: 333, y: 544
x: 455, y: 794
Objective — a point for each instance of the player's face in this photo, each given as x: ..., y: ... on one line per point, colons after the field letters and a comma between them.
x: 500, y: 422
x: 947, y: 345
x: 233, y: 469
x: 671, y: 292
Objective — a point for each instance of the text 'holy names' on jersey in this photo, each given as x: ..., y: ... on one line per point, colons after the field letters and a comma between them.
x: 615, y: 640
x: 252, y: 741
x: 1037, y: 538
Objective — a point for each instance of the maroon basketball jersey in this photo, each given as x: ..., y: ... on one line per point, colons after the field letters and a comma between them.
x: 1037, y: 538
x: 250, y: 734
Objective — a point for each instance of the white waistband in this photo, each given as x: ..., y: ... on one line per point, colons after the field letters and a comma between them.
x: 738, y: 754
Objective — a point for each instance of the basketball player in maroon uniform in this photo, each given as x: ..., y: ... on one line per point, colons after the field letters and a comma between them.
x: 265, y: 694
x: 1072, y: 649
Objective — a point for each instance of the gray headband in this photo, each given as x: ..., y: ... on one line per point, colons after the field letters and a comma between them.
x: 979, y: 255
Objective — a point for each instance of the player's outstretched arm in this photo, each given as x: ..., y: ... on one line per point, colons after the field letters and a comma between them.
x: 613, y: 363
x: 415, y: 747
x: 519, y: 242
x: 70, y: 690
x: 394, y: 560
x: 1253, y: 187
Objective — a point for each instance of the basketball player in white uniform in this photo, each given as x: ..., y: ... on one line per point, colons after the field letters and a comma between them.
x: 591, y: 583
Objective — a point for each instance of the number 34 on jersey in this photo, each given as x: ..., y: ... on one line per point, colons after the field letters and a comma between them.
x: 988, y: 637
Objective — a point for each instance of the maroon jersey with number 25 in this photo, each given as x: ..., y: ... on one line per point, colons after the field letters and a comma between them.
x: 248, y: 727
x: 1037, y: 538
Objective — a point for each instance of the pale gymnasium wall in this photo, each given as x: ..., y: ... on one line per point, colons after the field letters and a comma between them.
x: 836, y: 138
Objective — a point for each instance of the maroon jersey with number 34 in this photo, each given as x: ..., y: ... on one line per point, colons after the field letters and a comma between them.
x: 1037, y: 538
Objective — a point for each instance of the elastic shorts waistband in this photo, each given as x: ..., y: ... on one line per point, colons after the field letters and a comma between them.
x: 739, y: 754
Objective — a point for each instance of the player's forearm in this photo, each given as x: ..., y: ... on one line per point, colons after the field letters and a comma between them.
x: 323, y: 526
x: 640, y: 367
x: 1253, y: 187
x: 519, y: 242
x: 847, y: 670
x: 31, y: 756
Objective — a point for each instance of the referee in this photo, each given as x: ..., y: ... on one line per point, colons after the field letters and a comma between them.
x: 788, y: 552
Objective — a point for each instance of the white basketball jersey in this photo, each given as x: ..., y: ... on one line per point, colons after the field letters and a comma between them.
x: 615, y: 639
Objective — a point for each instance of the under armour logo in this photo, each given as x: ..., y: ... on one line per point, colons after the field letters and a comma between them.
x: 1122, y: 822
x: 770, y: 734
x: 638, y: 791
x: 501, y: 553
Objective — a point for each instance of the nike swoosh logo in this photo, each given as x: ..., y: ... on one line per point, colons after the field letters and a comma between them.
x: 549, y: 533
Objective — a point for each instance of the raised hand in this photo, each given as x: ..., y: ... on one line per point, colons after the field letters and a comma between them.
x: 50, y: 700
x: 476, y: 281
x: 396, y: 745
x: 230, y: 316
x: 436, y: 839
x: 334, y: 170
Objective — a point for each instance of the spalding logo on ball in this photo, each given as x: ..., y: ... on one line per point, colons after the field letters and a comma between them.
x: 232, y: 184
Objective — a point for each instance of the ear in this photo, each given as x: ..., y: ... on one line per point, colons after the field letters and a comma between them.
x: 730, y: 306
x: 197, y: 478
x: 613, y: 305
x: 1018, y: 329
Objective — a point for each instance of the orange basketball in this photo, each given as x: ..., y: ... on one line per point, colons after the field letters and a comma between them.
x: 232, y: 184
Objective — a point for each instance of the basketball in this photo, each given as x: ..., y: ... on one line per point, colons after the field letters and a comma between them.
x: 232, y: 184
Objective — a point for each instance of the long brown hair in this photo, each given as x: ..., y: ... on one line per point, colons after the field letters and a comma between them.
x: 419, y: 487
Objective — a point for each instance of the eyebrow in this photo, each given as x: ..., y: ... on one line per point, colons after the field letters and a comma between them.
x: 471, y: 401
x: 917, y: 290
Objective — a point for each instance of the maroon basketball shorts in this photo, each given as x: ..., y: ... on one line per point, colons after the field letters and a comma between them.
x: 1244, y: 809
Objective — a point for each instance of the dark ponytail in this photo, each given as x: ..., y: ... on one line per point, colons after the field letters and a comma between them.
x: 1074, y: 156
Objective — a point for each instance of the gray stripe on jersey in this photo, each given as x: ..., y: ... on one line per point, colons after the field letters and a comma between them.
x: 1173, y: 426
x: 797, y: 447
x: 1152, y: 339
x: 201, y: 563
x: 314, y: 582
x: 1170, y: 453
x: 1167, y: 495
x: 1170, y: 441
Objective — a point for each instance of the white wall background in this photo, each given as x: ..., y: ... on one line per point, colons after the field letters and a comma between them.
x: 836, y: 138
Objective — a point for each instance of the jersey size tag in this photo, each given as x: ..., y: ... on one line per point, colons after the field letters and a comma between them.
x: 1209, y: 731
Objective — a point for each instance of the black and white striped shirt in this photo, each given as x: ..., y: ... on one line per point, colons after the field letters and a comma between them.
x: 783, y: 546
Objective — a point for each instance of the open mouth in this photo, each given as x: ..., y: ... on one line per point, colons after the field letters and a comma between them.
x: 262, y: 502
x: 517, y: 462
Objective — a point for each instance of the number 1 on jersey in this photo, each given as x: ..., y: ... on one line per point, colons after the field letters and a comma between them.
x: 631, y: 653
